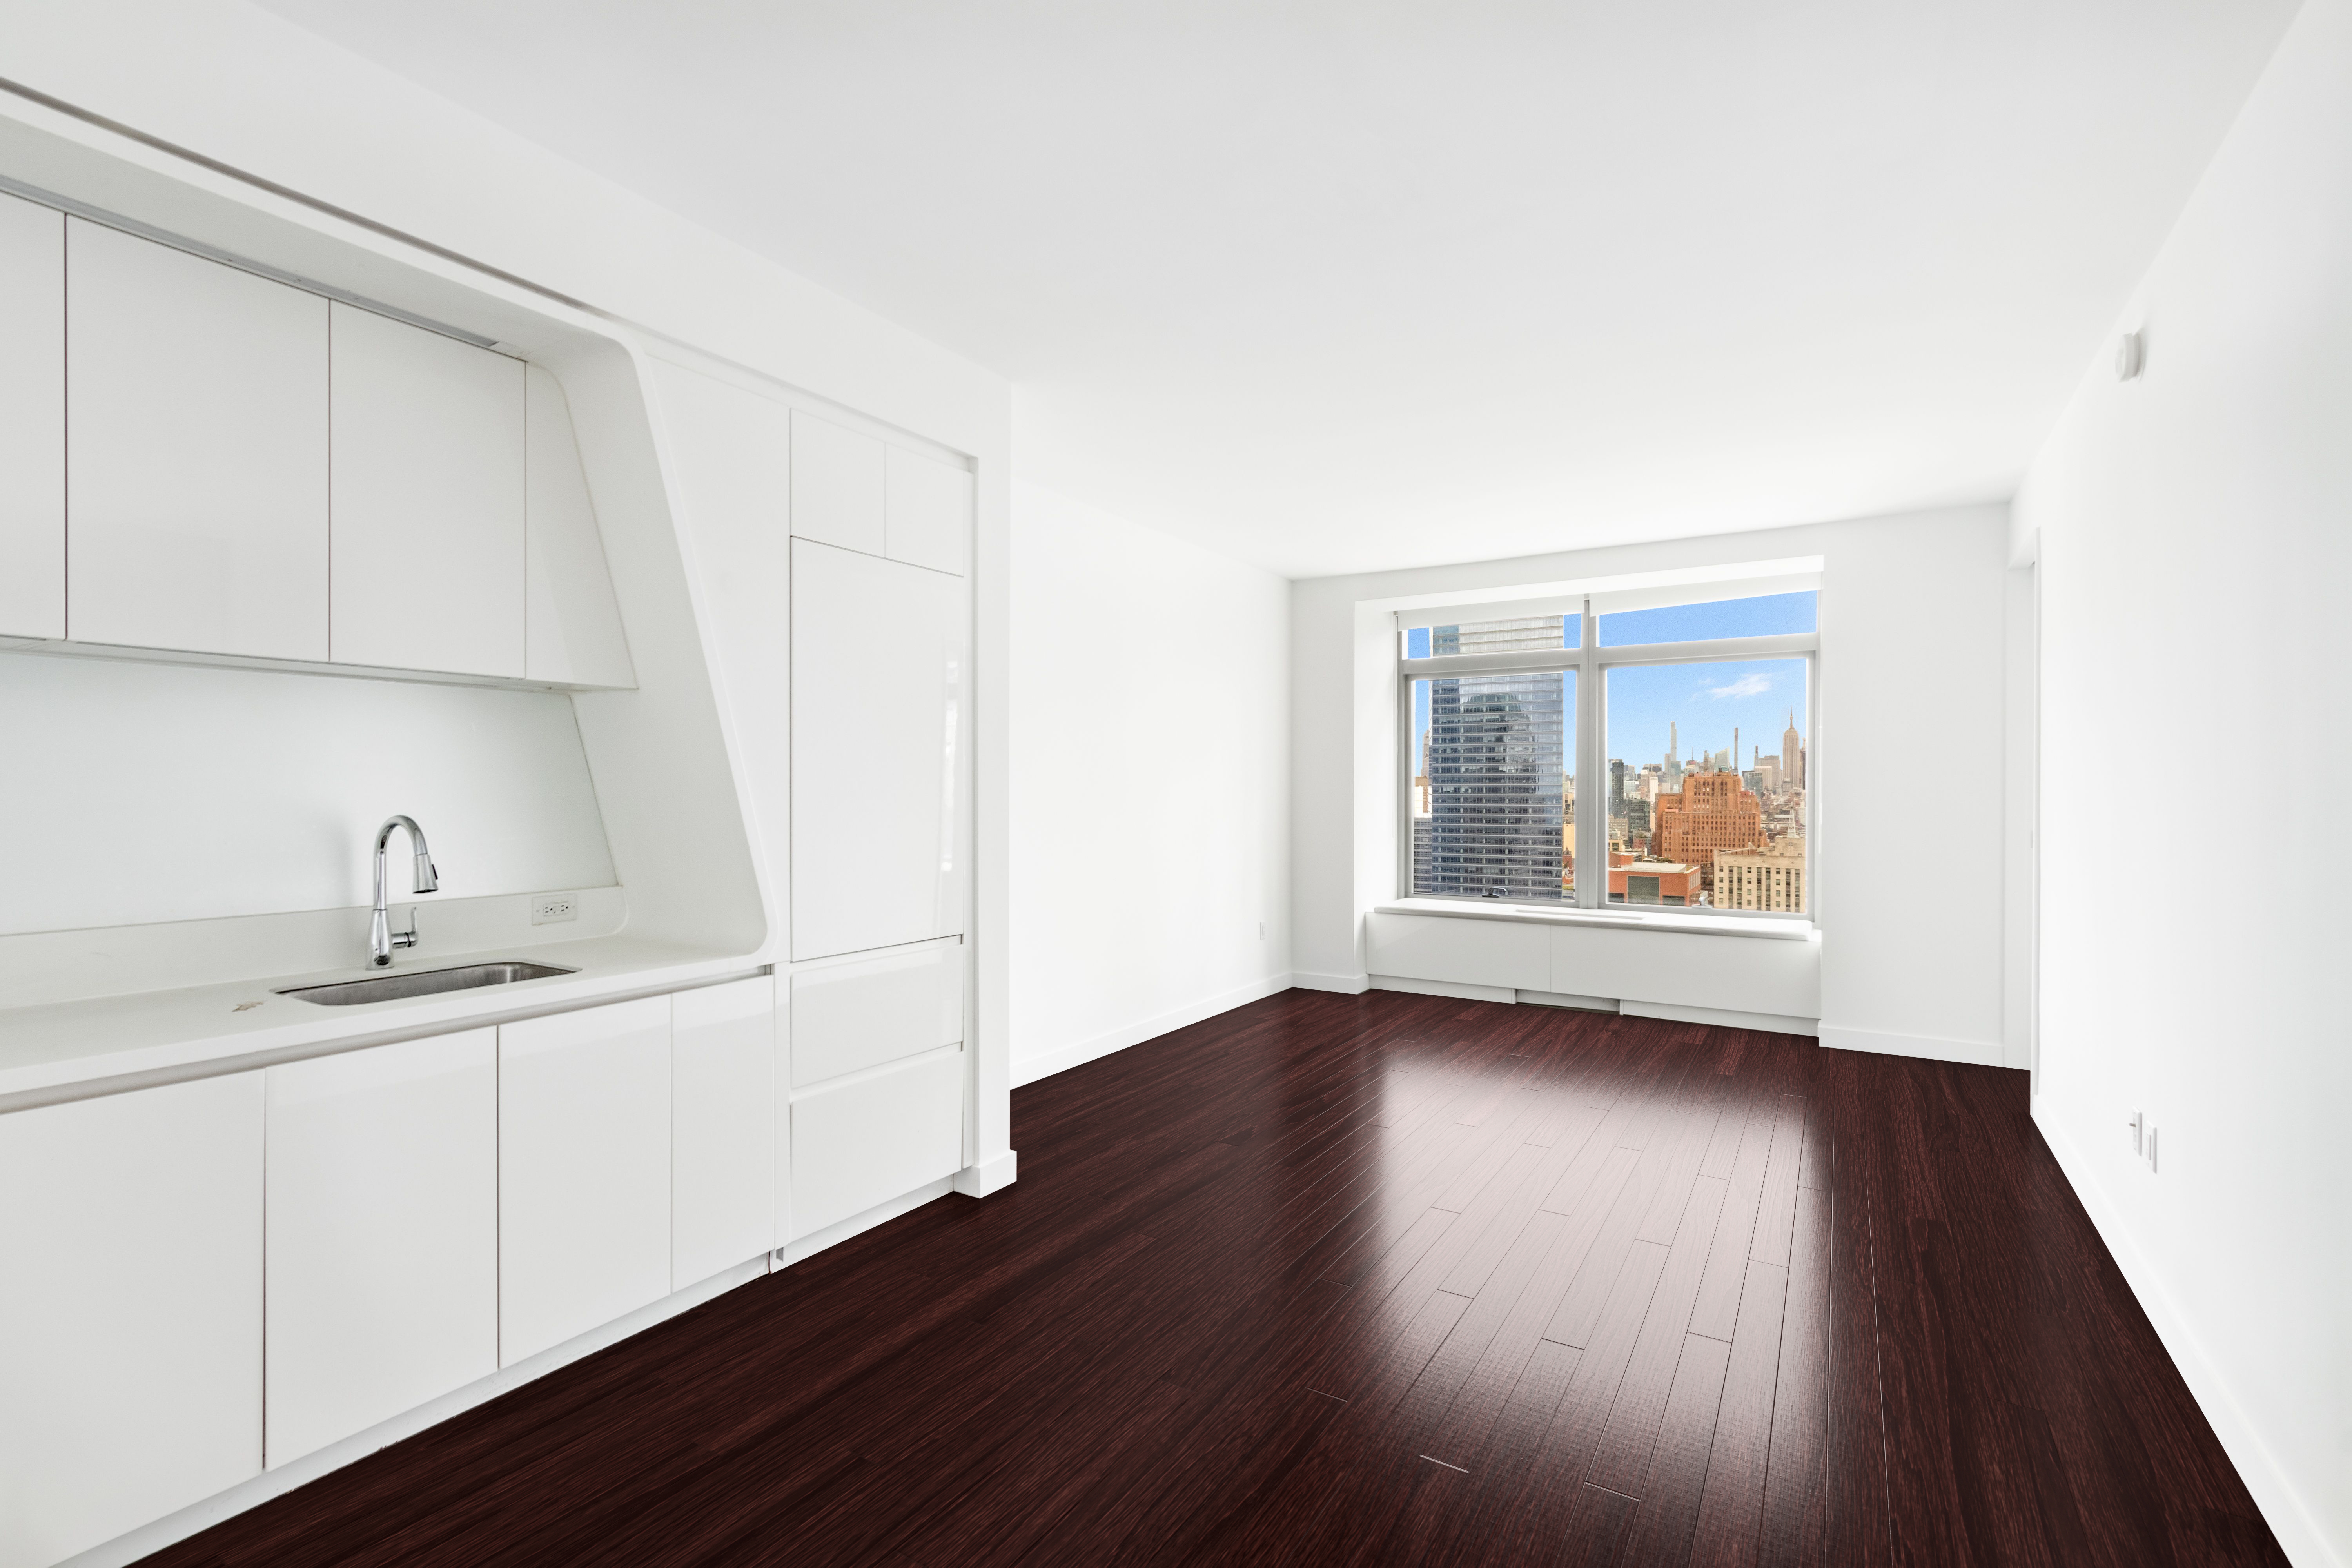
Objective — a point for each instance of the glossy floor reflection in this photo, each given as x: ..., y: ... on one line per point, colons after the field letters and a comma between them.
x: 1384, y: 1279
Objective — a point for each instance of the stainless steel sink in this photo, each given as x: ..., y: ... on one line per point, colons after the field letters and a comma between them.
x: 421, y: 983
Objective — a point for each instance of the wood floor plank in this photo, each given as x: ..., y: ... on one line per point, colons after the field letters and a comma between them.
x: 1676, y: 1478
x: 1731, y: 1508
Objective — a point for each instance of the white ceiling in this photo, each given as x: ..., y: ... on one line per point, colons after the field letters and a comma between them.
x: 1340, y: 285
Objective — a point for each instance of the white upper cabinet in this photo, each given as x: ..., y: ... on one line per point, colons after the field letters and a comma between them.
x: 877, y: 724
x: 32, y: 420
x: 428, y: 506
x: 196, y: 451
x: 839, y: 486
x: 929, y: 512
x: 573, y: 623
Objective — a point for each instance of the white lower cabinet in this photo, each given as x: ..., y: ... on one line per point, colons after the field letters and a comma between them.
x: 131, y: 1310
x: 722, y: 1127
x: 584, y: 1170
x: 870, y: 1137
x: 382, y: 1273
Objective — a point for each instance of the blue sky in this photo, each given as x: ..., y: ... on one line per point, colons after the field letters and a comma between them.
x: 1703, y: 700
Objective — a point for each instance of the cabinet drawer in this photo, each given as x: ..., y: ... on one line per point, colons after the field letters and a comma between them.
x: 861, y: 1014
x: 867, y: 1140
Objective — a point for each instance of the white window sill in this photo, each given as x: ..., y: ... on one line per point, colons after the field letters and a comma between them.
x: 1769, y: 927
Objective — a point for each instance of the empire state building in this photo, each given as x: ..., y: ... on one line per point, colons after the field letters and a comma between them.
x: 1792, y: 753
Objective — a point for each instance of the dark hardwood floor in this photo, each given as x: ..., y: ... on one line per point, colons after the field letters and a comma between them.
x: 1384, y: 1278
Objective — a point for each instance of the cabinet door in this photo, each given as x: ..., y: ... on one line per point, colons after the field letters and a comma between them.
x: 572, y: 622
x: 867, y: 1139
x: 878, y: 674
x: 197, y: 449
x: 428, y: 499
x: 130, y: 1310
x: 383, y: 1234
x: 32, y: 420
x: 584, y: 1170
x: 837, y: 485
x: 855, y: 1013
x: 929, y: 512
x: 722, y: 1127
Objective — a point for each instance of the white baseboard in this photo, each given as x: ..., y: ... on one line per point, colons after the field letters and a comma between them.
x: 1029, y: 1069
x: 1563, y: 999
x: 841, y: 1230
x: 1345, y: 984
x: 2290, y: 1519
x: 1723, y: 1018
x: 989, y: 1175
x: 172, y: 1528
x: 1976, y: 1053
x: 1444, y: 988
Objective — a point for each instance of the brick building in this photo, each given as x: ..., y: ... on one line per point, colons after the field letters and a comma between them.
x: 1710, y: 811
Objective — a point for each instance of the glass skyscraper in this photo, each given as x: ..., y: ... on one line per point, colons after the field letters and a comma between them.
x: 1494, y: 763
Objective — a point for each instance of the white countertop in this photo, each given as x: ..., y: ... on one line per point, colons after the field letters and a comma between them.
x: 69, y: 1050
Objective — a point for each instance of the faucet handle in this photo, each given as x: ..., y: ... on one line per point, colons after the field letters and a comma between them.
x: 406, y: 938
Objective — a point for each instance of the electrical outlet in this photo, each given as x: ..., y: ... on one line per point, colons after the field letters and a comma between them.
x: 546, y: 908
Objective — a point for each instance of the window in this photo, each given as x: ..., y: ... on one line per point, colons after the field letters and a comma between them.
x: 1692, y: 719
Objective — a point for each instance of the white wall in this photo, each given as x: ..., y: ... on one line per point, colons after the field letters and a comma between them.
x: 2194, y: 536
x: 1150, y: 783
x: 1907, y: 757
x: 143, y: 792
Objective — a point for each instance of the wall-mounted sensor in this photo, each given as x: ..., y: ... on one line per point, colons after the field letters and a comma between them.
x: 2131, y: 356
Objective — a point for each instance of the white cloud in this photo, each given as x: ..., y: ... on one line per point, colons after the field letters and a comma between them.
x: 1748, y: 685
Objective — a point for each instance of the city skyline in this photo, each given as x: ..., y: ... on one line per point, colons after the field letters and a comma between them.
x: 1696, y: 812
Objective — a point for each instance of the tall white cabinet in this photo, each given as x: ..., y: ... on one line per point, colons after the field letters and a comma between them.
x: 196, y: 450
x: 131, y: 1310
x: 382, y: 1258
x: 32, y: 420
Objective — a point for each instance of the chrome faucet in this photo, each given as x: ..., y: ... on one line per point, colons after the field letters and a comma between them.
x: 382, y: 938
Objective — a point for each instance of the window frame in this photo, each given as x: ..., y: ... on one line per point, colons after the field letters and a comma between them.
x: 1589, y: 726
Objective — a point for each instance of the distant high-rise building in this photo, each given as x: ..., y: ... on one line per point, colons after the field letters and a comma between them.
x: 1421, y: 825
x: 1494, y: 780
x: 1792, y: 753
x: 1771, y: 877
x: 1710, y: 811
x: 1768, y: 770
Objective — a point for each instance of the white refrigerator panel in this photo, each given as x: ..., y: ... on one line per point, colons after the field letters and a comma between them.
x: 929, y: 512
x: 878, y: 724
